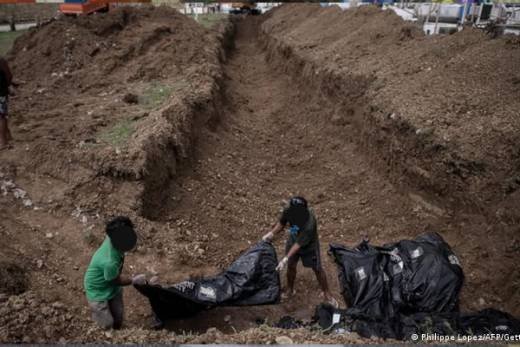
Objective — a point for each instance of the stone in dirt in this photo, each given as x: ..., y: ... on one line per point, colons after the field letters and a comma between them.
x: 284, y: 340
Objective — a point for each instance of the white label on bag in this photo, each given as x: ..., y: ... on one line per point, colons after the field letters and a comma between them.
x: 416, y: 253
x: 398, y: 268
x: 208, y: 292
x: 184, y: 285
x: 335, y: 318
x: 454, y: 260
x: 361, y: 273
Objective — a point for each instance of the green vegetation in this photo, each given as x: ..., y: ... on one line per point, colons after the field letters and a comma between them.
x: 155, y: 95
x: 119, y: 133
x: 209, y: 20
x: 7, y: 40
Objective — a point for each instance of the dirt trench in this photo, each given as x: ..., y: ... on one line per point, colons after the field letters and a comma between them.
x: 274, y: 136
x: 272, y: 142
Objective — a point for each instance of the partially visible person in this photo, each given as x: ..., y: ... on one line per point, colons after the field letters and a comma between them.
x: 6, y: 80
x: 302, y: 243
x: 103, y: 280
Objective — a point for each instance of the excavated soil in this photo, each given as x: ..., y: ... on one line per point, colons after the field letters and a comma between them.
x: 205, y: 169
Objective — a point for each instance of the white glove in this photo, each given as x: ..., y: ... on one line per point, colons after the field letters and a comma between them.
x: 268, y: 237
x: 282, y: 264
x: 139, y: 279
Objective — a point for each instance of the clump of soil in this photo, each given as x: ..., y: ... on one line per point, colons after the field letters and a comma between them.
x: 14, y: 279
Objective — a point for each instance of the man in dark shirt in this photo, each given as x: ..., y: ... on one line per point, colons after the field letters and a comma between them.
x: 302, y: 243
x: 6, y: 80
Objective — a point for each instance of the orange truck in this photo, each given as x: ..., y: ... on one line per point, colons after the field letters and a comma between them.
x: 82, y: 7
x: 77, y: 7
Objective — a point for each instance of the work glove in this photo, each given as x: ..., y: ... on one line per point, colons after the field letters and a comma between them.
x: 139, y: 279
x: 282, y: 264
x: 268, y: 237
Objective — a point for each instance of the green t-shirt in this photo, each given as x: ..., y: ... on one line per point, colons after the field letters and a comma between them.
x: 104, y: 268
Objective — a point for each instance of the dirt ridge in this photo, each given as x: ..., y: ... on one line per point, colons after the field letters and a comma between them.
x: 411, y: 152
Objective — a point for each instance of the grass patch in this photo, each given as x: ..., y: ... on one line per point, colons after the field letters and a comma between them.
x: 119, y: 133
x: 209, y: 20
x: 7, y: 40
x: 155, y: 95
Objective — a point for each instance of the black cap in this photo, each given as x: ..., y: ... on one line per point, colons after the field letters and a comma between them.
x: 298, y: 201
x: 121, y: 232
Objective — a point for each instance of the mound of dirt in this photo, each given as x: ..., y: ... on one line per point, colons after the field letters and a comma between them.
x: 439, y: 100
x: 123, y: 45
x: 75, y: 73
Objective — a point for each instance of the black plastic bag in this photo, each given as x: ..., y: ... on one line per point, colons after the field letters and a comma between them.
x: 364, y: 283
x: 403, y: 327
x: 407, y: 277
x: 334, y: 320
x: 430, y: 277
x: 489, y: 321
x: 252, y: 279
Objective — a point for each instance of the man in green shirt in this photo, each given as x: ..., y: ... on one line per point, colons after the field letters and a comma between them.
x: 103, y: 280
x: 302, y: 243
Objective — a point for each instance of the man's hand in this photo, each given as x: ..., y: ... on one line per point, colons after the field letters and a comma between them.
x: 268, y: 237
x: 139, y: 279
x: 282, y: 264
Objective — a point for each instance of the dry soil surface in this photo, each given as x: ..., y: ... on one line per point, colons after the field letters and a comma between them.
x: 271, y: 141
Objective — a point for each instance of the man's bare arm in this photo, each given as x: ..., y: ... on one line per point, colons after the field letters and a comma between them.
x: 294, y: 249
x: 273, y: 232
x: 122, y: 280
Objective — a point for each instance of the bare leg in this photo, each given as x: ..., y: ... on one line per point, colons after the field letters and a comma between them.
x: 322, y: 280
x: 291, y: 275
x: 117, y: 309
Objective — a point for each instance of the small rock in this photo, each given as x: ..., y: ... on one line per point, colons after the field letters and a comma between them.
x: 75, y: 267
x: 39, y: 263
x: 481, y: 301
x: 57, y: 304
x: 19, y: 193
x: 227, y: 318
x: 49, y: 235
x: 27, y: 202
x: 84, y: 219
x: 284, y: 340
